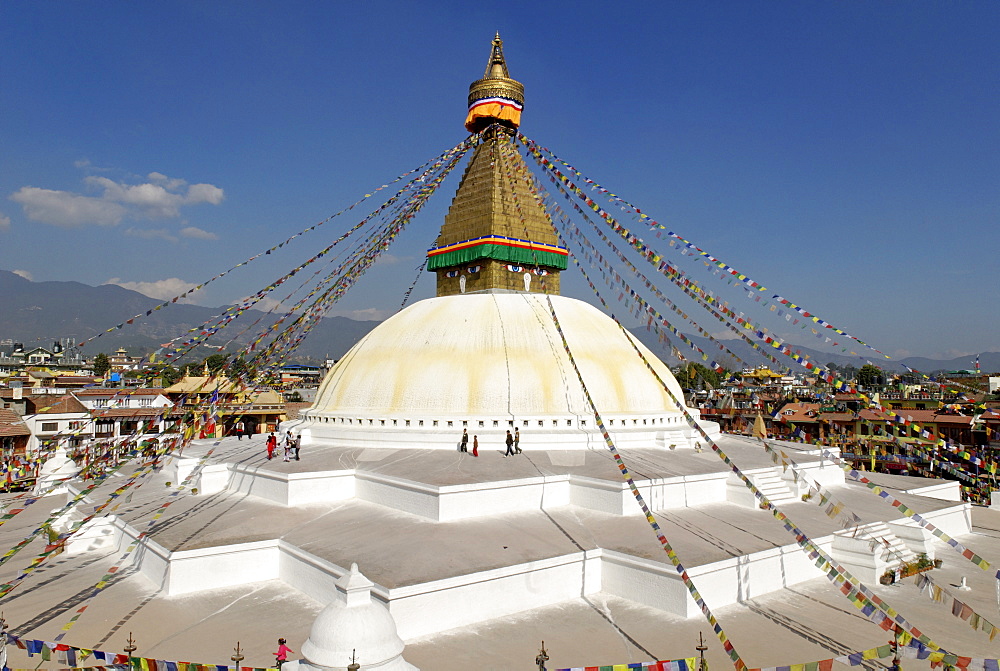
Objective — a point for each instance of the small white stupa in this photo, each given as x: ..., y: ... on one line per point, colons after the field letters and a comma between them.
x: 56, y: 470
x: 353, y: 625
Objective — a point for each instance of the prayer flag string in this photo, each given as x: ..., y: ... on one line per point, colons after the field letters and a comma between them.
x: 709, y: 301
x: 837, y: 510
x: 74, y: 658
x: 674, y: 559
x: 869, y: 603
x: 646, y: 219
x: 276, y: 247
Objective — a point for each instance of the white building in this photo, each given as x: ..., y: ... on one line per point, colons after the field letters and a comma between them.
x: 120, y: 412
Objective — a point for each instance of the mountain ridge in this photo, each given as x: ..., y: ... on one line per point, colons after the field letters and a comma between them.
x: 39, y: 313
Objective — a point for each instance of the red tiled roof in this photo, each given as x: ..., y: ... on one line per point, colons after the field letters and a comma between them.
x: 134, y: 412
x: 799, y: 413
x: 916, y: 416
x: 105, y: 391
x: 63, y: 380
x: 837, y: 416
x: 11, y: 424
x: 50, y: 405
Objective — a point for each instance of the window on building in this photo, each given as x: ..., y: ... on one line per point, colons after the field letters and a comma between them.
x: 50, y: 426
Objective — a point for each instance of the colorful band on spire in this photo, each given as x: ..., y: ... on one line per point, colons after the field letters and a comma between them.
x: 494, y: 107
x: 499, y: 248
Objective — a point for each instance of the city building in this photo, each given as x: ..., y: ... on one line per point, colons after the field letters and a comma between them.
x: 258, y: 410
x: 128, y: 412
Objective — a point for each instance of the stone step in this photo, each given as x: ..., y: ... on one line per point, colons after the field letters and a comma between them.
x: 773, y: 487
x: 768, y: 482
x: 870, y: 550
x: 889, y: 546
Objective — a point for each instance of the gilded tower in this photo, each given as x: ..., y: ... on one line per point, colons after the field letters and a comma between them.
x: 495, y: 236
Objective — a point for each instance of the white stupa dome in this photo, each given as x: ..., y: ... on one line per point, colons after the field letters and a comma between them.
x: 489, y: 362
x: 57, y: 469
x: 354, y: 623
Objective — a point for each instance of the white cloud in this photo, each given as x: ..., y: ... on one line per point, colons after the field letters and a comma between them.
x: 163, y: 180
x: 85, y: 164
x: 4, y: 222
x: 366, y: 314
x: 204, y: 193
x: 151, y: 234
x: 387, y: 259
x: 197, y: 233
x: 725, y: 335
x: 267, y: 304
x: 25, y: 274
x: 69, y: 210
x: 160, y: 197
x: 162, y: 289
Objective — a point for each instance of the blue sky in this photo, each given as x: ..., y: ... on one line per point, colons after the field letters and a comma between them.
x: 845, y: 154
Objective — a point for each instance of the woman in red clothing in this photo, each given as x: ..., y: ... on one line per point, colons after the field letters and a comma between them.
x: 272, y: 443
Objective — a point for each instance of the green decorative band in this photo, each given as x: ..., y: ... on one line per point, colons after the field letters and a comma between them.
x: 547, y: 256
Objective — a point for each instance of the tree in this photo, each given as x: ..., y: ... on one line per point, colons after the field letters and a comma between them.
x: 216, y: 362
x: 238, y: 368
x: 190, y: 369
x: 101, y: 365
x: 168, y: 375
x: 870, y: 376
x: 692, y: 371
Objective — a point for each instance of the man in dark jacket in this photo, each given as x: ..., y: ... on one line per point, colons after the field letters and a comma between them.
x: 510, y: 445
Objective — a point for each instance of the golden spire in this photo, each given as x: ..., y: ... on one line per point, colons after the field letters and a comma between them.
x: 496, y: 67
x: 496, y: 98
x: 495, y: 236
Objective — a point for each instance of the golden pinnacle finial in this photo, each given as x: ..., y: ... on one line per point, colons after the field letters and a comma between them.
x: 496, y: 67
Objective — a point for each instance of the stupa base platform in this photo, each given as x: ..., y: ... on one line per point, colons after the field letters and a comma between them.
x: 453, y: 540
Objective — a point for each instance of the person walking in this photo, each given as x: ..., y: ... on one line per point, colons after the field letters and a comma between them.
x: 463, y: 445
x: 510, y: 445
x: 281, y: 656
x: 239, y: 430
x: 475, y: 446
x: 517, y: 440
x: 289, y: 443
x: 298, y: 445
x: 272, y: 444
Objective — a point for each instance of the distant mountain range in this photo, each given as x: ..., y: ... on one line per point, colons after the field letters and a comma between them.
x: 39, y: 313
x: 988, y: 361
